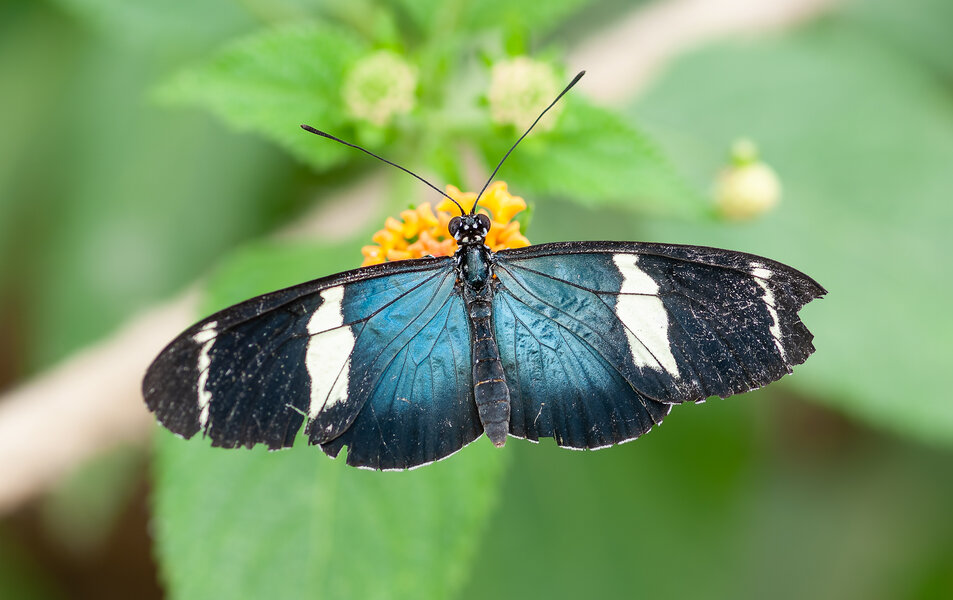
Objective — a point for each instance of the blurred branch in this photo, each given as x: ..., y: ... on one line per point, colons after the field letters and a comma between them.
x: 622, y: 59
x: 91, y: 402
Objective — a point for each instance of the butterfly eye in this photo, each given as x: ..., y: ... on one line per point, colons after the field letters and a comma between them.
x: 484, y: 222
x: 454, y: 227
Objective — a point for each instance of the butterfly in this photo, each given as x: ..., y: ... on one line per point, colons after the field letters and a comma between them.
x: 404, y: 363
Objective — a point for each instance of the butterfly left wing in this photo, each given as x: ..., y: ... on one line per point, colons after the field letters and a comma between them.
x: 376, y: 359
x: 613, y: 332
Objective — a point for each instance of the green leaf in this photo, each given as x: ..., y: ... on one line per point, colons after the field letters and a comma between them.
x: 274, y: 81
x: 255, y: 524
x: 861, y: 138
x: 595, y: 158
x: 263, y: 267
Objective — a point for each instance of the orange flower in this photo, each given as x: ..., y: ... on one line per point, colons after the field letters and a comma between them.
x: 422, y: 231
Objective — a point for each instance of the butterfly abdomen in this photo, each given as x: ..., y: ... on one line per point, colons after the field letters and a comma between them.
x: 489, y: 381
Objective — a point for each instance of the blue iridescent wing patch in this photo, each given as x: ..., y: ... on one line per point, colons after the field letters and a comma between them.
x: 599, y: 339
x: 410, y: 400
x: 562, y: 384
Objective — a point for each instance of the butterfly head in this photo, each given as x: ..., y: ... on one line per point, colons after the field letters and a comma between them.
x: 469, y: 230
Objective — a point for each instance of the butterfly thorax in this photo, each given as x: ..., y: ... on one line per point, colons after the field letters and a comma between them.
x: 472, y: 256
x: 473, y: 266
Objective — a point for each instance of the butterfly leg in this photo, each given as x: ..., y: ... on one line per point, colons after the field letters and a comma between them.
x: 489, y: 381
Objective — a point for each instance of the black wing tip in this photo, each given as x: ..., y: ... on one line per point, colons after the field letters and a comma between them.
x: 164, y: 388
x: 807, y: 290
x: 173, y: 416
x: 180, y: 423
x: 170, y: 392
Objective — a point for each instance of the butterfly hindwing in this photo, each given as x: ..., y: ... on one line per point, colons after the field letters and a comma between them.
x: 323, y: 353
x: 675, y: 323
x: 562, y: 384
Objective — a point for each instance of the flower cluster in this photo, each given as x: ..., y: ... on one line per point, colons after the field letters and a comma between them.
x: 379, y: 87
x: 519, y: 89
x: 422, y: 231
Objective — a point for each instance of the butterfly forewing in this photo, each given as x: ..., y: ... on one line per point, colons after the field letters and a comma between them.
x: 343, y: 354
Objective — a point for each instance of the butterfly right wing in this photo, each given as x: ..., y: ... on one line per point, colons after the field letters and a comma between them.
x: 610, y: 334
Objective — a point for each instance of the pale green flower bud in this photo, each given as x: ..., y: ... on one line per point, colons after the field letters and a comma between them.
x: 749, y: 187
x: 520, y: 89
x: 380, y: 86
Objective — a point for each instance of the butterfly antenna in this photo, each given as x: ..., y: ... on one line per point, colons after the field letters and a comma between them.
x: 574, y: 81
x: 393, y: 164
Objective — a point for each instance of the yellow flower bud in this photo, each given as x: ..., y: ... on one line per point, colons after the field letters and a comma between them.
x: 749, y: 187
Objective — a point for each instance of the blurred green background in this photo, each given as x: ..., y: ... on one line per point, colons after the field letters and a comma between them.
x: 147, y: 145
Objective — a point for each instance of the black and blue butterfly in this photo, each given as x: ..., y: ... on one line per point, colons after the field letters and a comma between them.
x: 404, y: 363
